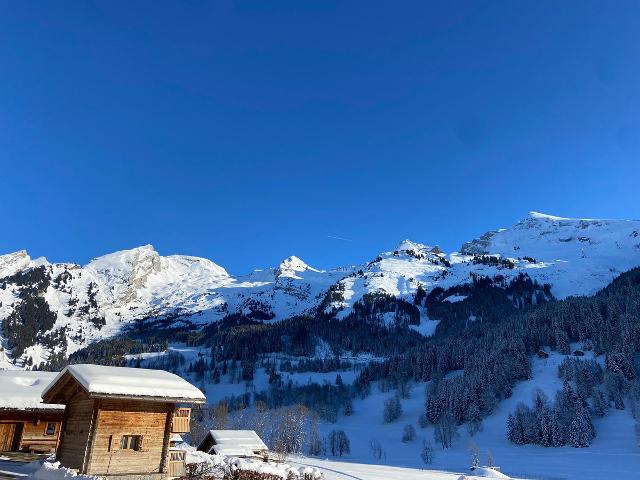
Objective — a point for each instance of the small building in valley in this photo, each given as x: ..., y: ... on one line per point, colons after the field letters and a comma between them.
x: 27, y: 424
x: 233, y: 443
x: 119, y: 421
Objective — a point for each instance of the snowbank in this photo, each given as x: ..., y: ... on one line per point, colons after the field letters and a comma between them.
x: 53, y: 471
x: 281, y: 470
x: 488, y: 472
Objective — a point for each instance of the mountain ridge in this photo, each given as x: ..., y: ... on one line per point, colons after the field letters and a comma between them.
x: 98, y: 300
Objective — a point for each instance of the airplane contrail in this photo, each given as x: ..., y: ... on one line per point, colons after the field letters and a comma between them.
x: 340, y: 238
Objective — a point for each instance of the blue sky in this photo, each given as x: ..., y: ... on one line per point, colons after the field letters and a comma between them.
x: 248, y: 131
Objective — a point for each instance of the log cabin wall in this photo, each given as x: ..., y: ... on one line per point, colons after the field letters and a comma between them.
x: 76, y: 426
x: 29, y: 430
x: 39, y: 436
x: 116, y: 419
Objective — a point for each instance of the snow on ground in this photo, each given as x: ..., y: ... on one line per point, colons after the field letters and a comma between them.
x: 613, y: 454
x: 229, y: 387
x: 427, y: 326
x: 340, y: 470
x: 614, y: 444
x: 283, y: 470
x: 455, y: 298
x: 13, y: 469
x: 54, y: 471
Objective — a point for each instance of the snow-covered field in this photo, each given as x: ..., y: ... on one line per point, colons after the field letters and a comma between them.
x: 613, y: 454
x: 334, y: 470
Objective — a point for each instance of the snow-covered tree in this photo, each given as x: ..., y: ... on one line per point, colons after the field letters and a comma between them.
x: 392, y: 409
x: 408, y: 433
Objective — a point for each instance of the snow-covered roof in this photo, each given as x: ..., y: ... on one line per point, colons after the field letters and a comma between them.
x: 22, y: 390
x: 236, y: 443
x: 100, y: 380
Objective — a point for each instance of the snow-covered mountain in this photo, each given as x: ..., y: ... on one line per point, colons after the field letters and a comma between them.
x: 85, y: 303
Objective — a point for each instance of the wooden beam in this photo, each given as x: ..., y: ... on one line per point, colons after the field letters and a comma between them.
x: 167, y: 438
x: 86, y: 465
x: 63, y: 428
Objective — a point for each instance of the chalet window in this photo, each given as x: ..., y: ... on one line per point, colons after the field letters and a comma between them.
x: 51, y: 429
x: 131, y: 442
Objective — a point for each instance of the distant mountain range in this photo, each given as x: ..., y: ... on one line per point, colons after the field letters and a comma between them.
x: 48, y: 308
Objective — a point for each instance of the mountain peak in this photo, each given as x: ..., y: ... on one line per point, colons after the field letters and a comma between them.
x: 12, y: 263
x: 407, y: 244
x: 294, y: 263
x: 544, y: 216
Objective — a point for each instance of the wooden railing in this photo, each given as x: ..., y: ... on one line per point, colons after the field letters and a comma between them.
x: 181, y: 418
x: 177, y: 463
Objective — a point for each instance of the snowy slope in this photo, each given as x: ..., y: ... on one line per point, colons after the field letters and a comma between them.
x: 578, y: 257
x: 97, y: 300
x: 575, y: 257
x: 614, y: 453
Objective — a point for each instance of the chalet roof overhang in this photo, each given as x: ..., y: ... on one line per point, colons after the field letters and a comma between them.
x: 66, y: 386
x: 31, y: 415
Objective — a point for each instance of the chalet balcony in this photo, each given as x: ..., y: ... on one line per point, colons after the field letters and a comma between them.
x: 181, y: 419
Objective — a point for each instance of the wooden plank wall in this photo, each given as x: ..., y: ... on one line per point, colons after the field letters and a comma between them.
x: 7, y: 436
x: 35, y: 439
x: 116, y: 418
x: 75, y: 431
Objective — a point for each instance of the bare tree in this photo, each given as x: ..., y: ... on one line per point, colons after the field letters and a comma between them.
x: 427, y: 454
x: 220, y: 415
x: 289, y: 431
x: 490, y: 461
x: 445, y: 430
x: 376, y: 449
x: 474, y: 453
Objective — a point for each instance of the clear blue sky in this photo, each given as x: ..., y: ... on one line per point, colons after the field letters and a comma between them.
x: 248, y: 131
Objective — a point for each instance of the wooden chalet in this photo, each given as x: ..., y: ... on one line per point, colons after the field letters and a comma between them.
x: 27, y: 424
x: 234, y: 443
x: 119, y: 421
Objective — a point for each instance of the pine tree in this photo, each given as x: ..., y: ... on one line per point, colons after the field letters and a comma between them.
x: 392, y: 409
x: 600, y: 403
x: 474, y: 419
x: 581, y: 430
x: 514, y: 430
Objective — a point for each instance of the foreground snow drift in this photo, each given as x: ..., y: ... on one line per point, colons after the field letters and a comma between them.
x: 222, y: 463
x: 333, y: 470
x: 54, y: 471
